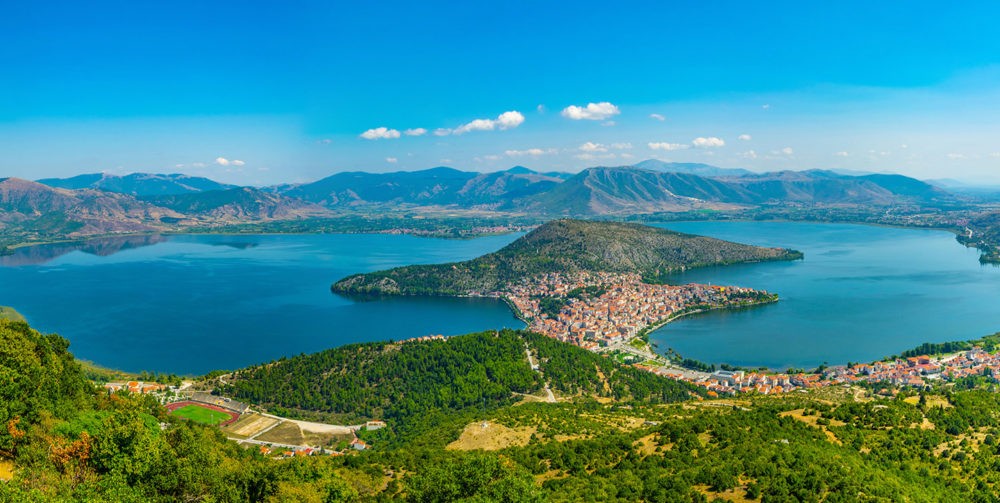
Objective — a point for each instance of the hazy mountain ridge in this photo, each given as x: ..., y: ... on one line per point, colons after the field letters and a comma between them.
x: 689, y: 168
x: 239, y: 204
x: 435, y: 186
x: 564, y: 246
x: 31, y: 211
x: 33, y: 207
x: 138, y: 184
x: 623, y: 190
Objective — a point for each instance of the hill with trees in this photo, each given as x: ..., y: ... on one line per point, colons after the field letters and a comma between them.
x: 402, y: 381
x: 564, y: 246
x: 63, y: 439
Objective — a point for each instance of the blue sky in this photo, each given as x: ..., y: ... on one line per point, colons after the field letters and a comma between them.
x: 268, y: 92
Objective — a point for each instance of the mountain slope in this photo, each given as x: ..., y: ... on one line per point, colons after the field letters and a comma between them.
x: 239, y: 204
x: 431, y: 186
x: 505, y: 187
x: 564, y: 246
x: 32, y: 207
x: 138, y: 184
x: 690, y: 168
x: 598, y: 191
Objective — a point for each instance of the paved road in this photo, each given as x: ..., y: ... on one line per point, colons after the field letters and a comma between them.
x: 550, y: 397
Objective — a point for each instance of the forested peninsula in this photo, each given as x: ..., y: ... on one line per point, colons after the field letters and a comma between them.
x: 565, y: 246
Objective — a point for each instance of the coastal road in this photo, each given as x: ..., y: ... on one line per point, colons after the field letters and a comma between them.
x: 674, y: 369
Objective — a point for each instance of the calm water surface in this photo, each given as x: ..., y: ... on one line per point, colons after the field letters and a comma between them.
x: 861, y: 293
x: 190, y: 304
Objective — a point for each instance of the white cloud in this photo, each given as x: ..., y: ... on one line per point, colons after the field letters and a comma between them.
x: 657, y: 117
x: 391, y: 160
x: 745, y: 137
x: 621, y: 146
x: 956, y: 156
x: 198, y: 164
x: 626, y: 155
x: 994, y: 154
x: 593, y: 147
x: 442, y: 131
x: 178, y: 166
x: 237, y: 162
x: 492, y: 157
x: 787, y: 151
x: 842, y: 154
x: 324, y: 141
x: 766, y: 106
x: 380, y: 133
x: 506, y: 120
x: 591, y: 112
x: 540, y: 109
x: 710, y: 142
x: 222, y: 161
x: 667, y: 146
x: 476, y: 125
x: 415, y: 132
x: 749, y: 154
x: 530, y: 151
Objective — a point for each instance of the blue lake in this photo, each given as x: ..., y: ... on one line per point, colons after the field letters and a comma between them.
x: 861, y: 293
x: 190, y: 304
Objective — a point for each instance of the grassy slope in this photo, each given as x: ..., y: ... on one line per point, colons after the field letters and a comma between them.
x: 564, y: 246
x: 8, y: 313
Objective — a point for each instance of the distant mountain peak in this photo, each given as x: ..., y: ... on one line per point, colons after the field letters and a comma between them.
x: 691, y: 168
x: 138, y: 184
x: 520, y: 170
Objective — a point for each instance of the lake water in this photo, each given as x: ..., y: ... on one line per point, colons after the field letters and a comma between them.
x: 190, y: 304
x: 860, y: 294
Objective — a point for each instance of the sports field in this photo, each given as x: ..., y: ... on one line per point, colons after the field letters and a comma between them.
x: 200, y: 414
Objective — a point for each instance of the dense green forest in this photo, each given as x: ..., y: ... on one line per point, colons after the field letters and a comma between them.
x: 401, y: 381
x: 565, y: 246
x: 615, y: 435
x: 66, y: 440
x: 380, y: 380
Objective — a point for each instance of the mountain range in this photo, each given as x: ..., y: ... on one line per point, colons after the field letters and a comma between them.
x: 102, y: 203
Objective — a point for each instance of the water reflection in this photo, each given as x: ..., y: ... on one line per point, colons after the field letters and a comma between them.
x: 102, y: 247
